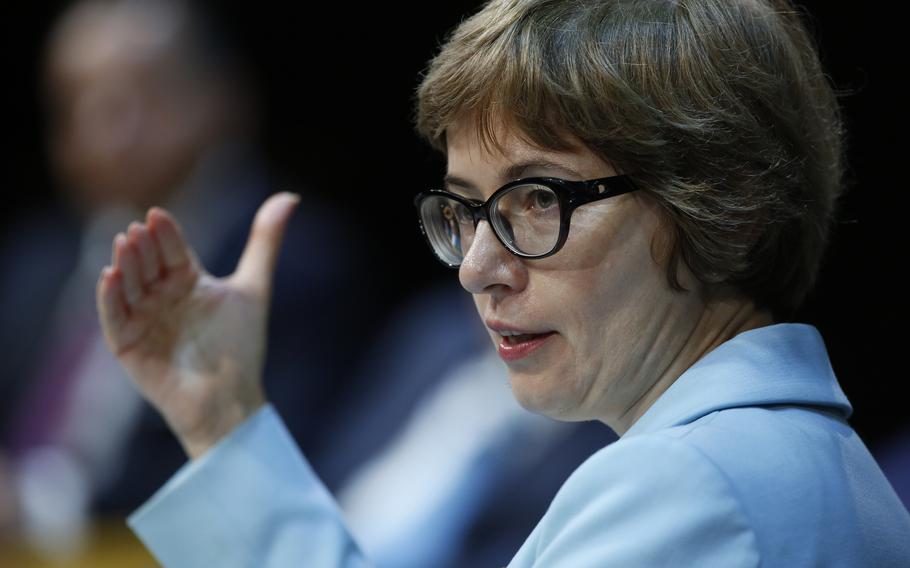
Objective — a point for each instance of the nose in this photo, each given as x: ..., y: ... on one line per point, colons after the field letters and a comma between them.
x: 488, y: 268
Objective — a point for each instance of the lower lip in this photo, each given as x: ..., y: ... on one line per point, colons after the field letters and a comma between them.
x: 514, y: 352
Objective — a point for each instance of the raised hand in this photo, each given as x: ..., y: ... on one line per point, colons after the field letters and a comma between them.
x: 193, y: 344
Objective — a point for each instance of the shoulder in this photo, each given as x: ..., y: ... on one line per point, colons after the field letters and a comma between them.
x: 651, y: 499
x: 737, y: 487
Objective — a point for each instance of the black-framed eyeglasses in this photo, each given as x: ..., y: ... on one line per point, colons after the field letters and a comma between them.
x: 529, y: 216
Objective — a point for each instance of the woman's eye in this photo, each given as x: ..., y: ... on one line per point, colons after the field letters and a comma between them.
x: 541, y: 199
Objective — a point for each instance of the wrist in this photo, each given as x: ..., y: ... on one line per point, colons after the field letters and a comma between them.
x: 221, y: 424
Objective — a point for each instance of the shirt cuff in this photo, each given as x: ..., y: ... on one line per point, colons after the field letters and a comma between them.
x: 252, y: 500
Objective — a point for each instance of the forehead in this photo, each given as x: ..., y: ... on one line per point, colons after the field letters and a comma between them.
x: 94, y: 40
x: 471, y: 153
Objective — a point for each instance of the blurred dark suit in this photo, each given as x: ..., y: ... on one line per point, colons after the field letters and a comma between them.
x: 318, y: 308
x: 148, y: 104
x: 412, y: 405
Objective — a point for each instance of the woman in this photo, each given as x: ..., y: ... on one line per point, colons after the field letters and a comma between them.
x: 638, y: 194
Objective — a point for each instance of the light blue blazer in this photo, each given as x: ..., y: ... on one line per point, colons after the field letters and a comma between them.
x: 746, y: 460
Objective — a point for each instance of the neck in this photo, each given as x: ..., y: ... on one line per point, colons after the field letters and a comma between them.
x: 719, y: 321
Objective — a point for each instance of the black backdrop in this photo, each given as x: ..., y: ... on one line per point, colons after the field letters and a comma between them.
x: 337, y: 83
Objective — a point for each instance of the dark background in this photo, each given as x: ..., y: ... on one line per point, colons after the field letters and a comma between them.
x: 337, y: 82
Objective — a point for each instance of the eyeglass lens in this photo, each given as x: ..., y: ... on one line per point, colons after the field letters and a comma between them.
x: 527, y: 218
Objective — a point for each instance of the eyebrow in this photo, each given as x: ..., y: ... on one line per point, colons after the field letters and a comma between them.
x: 513, y: 172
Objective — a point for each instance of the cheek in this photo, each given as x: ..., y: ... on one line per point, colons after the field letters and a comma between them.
x: 480, y: 302
x: 612, y: 254
x: 607, y: 299
x: 605, y: 267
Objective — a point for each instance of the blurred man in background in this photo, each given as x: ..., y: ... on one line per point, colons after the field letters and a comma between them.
x: 414, y: 427
x: 147, y: 105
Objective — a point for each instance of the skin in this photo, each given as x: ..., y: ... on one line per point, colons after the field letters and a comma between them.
x: 622, y: 334
x: 194, y: 344
x: 128, y: 119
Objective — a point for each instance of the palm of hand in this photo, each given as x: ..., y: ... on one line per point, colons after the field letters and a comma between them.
x: 193, y: 344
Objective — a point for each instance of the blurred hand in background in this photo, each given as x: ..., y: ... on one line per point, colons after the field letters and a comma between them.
x: 147, y: 104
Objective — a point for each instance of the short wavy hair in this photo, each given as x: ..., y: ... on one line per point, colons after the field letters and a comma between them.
x: 718, y: 109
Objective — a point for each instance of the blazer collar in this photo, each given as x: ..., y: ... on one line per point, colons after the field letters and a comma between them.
x: 784, y: 363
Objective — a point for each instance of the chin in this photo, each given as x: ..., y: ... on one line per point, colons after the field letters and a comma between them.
x: 546, y: 395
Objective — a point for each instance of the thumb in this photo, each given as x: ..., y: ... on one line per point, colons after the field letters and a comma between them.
x: 254, y: 271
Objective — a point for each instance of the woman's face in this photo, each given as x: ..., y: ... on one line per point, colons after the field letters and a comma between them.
x: 615, y: 327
